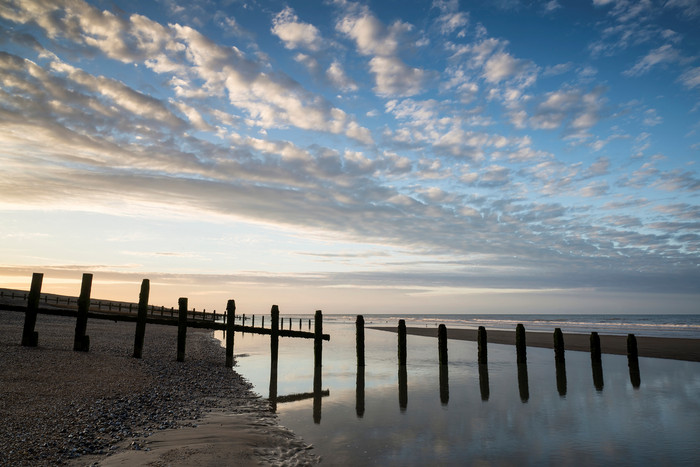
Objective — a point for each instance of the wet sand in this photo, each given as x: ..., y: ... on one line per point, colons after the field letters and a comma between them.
x: 655, y: 347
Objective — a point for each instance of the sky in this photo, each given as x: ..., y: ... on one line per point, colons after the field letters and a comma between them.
x: 384, y: 156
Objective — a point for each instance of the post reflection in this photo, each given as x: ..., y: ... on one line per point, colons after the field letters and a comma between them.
x: 523, y: 385
x: 560, y: 364
x: 272, y: 396
x: 635, y: 378
x: 403, y: 388
x: 484, y: 381
x: 444, y: 385
x: 597, y: 368
x: 360, y: 392
x: 317, y: 394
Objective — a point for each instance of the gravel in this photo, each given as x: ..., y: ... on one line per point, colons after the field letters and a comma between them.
x: 57, y: 405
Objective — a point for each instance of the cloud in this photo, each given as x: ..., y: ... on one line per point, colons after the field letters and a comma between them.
x: 393, y: 77
x: 664, y: 54
x: 296, y: 34
x: 451, y: 19
x: 336, y: 75
x: 691, y: 78
x: 575, y: 109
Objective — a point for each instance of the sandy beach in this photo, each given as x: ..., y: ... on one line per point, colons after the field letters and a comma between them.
x: 656, y: 347
x: 106, y: 408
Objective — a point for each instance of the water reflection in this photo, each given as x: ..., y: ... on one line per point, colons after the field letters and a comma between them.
x: 484, y: 381
x: 444, y: 385
x: 317, y: 394
x: 360, y: 392
x: 560, y: 364
x: 523, y: 385
x: 597, y: 368
x: 403, y: 388
x: 633, y: 364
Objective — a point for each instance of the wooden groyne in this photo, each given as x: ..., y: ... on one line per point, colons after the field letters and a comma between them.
x: 82, y: 308
x: 517, y: 338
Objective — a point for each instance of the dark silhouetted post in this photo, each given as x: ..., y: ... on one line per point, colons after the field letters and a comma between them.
x: 318, y: 339
x: 596, y: 361
x: 262, y: 325
x: 81, y: 342
x: 30, y: 338
x: 402, y: 342
x: 141, y: 318
x: 274, y: 334
x: 360, y: 340
x: 230, y: 322
x: 520, y: 345
x: 558, y: 343
x: 595, y: 347
x: 633, y: 361
x: 442, y: 344
x: 560, y: 361
x: 252, y: 322
x: 181, y: 329
x: 481, y: 345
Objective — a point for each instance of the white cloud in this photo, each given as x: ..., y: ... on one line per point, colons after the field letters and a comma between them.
x: 664, y: 54
x: 336, y: 74
x: 296, y: 34
x: 691, y: 78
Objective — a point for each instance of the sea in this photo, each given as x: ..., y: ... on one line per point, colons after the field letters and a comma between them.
x: 542, y: 412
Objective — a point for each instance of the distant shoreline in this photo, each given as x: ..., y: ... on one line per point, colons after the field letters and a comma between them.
x: 654, y: 347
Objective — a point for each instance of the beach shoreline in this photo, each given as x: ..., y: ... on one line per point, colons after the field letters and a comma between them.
x: 105, y: 407
x: 653, y: 347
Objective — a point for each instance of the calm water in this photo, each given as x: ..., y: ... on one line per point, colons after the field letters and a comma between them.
x: 501, y: 415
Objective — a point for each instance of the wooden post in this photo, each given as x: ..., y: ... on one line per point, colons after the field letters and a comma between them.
x: 442, y: 344
x: 481, y: 344
x: 520, y: 345
x: 81, y: 342
x: 263, y: 322
x: 300, y: 324
x: 274, y: 333
x: 596, y: 362
x: 633, y: 361
x: 141, y: 318
x: 252, y: 321
x: 402, y: 342
x: 523, y: 385
x: 360, y: 340
x: 182, y: 329
x: 558, y: 344
x: 595, y: 348
x: 318, y: 338
x: 30, y: 338
x: 230, y: 322
x: 444, y: 385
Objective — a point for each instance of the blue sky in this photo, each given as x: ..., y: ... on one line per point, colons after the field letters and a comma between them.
x: 388, y: 156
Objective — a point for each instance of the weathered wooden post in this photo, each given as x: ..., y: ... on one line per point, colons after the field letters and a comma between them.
x: 595, y: 348
x: 520, y: 345
x: 181, y: 329
x: 402, y: 342
x: 558, y: 344
x: 633, y: 361
x: 230, y: 322
x: 141, y: 318
x: 81, y: 342
x: 263, y: 322
x: 442, y: 344
x: 274, y: 333
x: 481, y: 345
x: 360, y: 340
x: 318, y: 338
x: 300, y: 324
x: 596, y: 362
x: 30, y: 338
x: 252, y: 321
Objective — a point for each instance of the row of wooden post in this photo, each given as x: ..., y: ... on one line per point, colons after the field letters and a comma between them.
x: 521, y: 359
x: 81, y: 341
